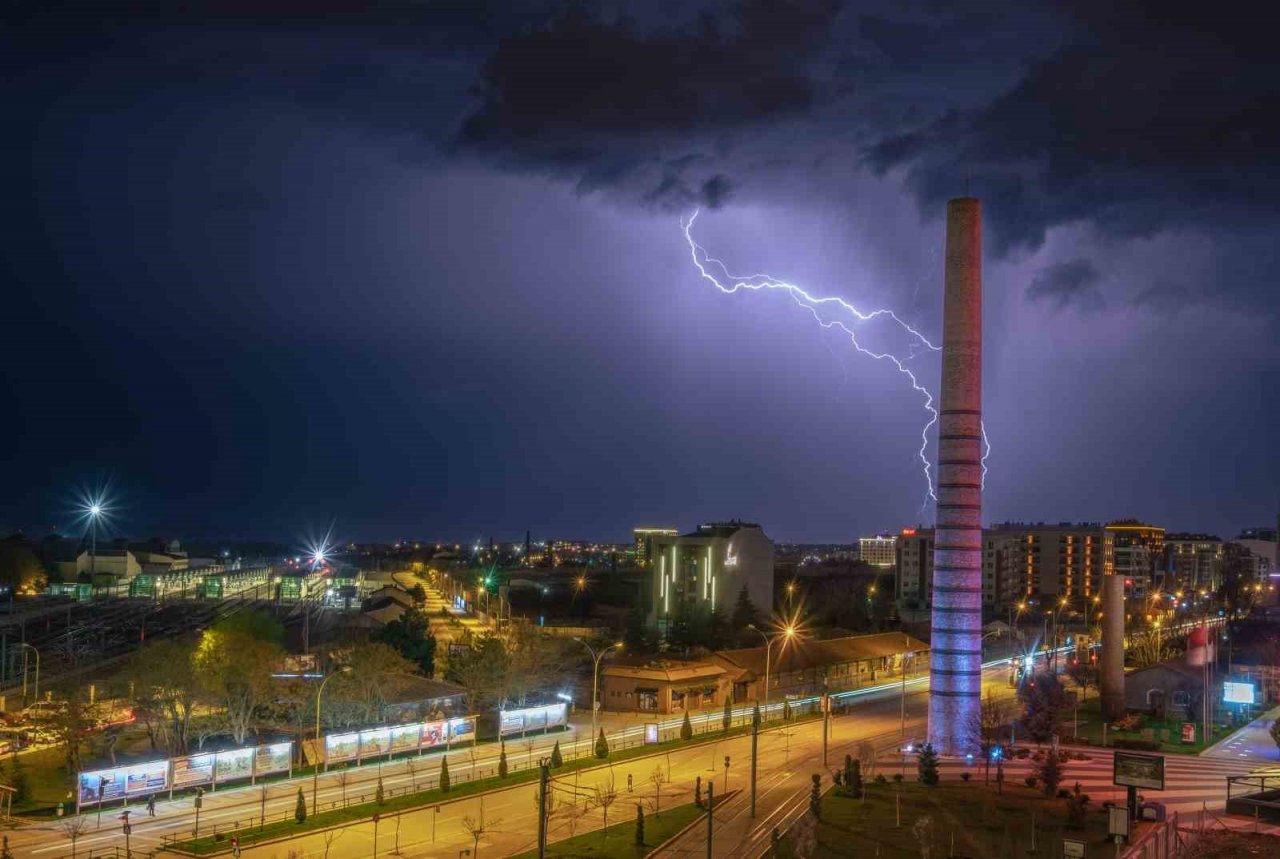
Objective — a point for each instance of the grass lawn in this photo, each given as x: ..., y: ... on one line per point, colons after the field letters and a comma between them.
x: 979, y: 822
x: 216, y: 842
x: 619, y: 840
x: 47, y: 779
x: 1091, y: 729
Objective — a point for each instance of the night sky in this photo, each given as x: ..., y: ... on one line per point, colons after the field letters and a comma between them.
x: 418, y: 270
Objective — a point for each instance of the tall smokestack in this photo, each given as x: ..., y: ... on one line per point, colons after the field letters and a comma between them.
x: 955, y: 680
x: 1112, y: 680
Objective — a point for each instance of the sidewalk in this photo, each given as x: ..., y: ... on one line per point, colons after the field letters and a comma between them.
x: 1252, y: 742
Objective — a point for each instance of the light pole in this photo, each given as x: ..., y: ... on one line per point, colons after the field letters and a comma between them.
x: 787, y: 633
x: 315, y: 772
x: 24, y: 673
x: 906, y: 645
x: 95, y: 510
x: 595, y: 676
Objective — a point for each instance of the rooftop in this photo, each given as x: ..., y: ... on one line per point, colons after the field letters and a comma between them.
x: 803, y: 654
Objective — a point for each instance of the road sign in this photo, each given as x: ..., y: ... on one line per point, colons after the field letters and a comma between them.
x: 127, y: 827
x: 376, y: 817
x: 1072, y: 849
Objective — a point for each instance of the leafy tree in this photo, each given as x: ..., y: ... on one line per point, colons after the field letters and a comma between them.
x: 927, y: 765
x: 300, y: 808
x: 744, y: 615
x: 557, y: 760
x: 235, y: 672
x: 1076, y: 804
x: 482, y: 670
x: 444, y: 775
x: 502, y: 762
x: 1050, y: 771
x: 815, y: 797
x: 637, y: 636
x: 602, y: 746
x: 18, y: 780
x: 686, y: 727
x: 20, y: 566
x: 71, y: 726
x: 852, y: 777
x: 639, y: 824
x: 419, y: 593
x: 1043, y: 700
x: 255, y: 624
x: 163, y: 674
x: 410, y: 634
x: 378, y: 676
x: 1275, y: 731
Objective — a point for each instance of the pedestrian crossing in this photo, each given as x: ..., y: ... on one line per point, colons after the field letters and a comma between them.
x: 1191, y: 783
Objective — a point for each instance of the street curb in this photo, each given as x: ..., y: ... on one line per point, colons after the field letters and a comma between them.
x: 716, y: 800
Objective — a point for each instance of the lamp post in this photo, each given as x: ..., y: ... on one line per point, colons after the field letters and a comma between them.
x: 787, y: 633
x: 315, y: 772
x: 24, y: 673
x: 95, y: 510
x: 595, y: 676
x: 906, y: 642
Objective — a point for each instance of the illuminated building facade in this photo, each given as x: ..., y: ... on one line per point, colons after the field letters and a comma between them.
x: 1139, y: 551
x: 644, y: 542
x: 705, y: 570
x: 1192, y: 561
x: 878, y: 551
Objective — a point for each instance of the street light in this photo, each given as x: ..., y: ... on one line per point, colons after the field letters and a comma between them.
x: 788, y: 633
x: 595, y: 676
x: 315, y: 772
x: 24, y: 673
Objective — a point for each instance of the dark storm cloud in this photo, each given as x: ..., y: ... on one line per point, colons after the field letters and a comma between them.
x: 1152, y: 117
x: 1064, y: 284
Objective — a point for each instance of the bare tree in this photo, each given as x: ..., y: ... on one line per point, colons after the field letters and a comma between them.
x: 656, y: 778
x: 344, y: 779
x: 330, y: 836
x: 606, y: 794
x: 74, y: 826
x: 867, y: 758
x: 477, y: 829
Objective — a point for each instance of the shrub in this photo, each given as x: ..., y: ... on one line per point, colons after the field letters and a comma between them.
x: 380, y: 795
x: 897, y: 777
x: 444, y: 775
x: 686, y: 727
x: 966, y: 775
x: 927, y: 765
x: 602, y: 746
x: 1050, y: 772
x: 639, y: 823
x: 502, y: 763
x: 1030, y: 781
x: 880, y: 779
x: 300, y: 808
x: 815, y: 797
x: 557, y: 760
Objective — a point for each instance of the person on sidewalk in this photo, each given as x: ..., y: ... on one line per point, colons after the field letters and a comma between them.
x: 151, y: 805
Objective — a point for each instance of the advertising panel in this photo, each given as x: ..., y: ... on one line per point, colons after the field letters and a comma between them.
x: 1137, y: 770
x: 404, y: 738
x: 147, y: 778
x: 533, y: 718
x: 232, y: 764
x: 1237, y: 693
x: 193, y: 770
x: 463, y: 729
x: 274, y: 758
x: 434, y: 734
x: 341, y: 747
x: 119, y: 782
x: 374, y: 742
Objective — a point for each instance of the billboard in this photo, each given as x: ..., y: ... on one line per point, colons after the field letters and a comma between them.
x: 122, y: 782
x: 193, y: 770
x: 374, y: 742
x: 533, y: 718
x: 341, y: 747
x: 275, y: 758
x: 463, y: 729
x: 1131, y: 769
x: 233, y: 764
x: 405, y: 738
x: 1238, y: 693
x: 434, y: 734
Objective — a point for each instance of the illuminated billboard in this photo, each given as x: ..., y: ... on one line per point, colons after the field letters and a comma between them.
x: 405, y: 738
x: 462, y: 729
x: 341, y: 747
x: 374, y: 742
x: 1238, y: 693
x: 121, y: 782
x: 232, y: 765
x: 533, y: 719
x: 193, y: 770
x: 275, y: 758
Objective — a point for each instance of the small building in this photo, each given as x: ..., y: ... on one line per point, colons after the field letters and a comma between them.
x: 1169, y: 688
x: 809, y: 667
x: 662, y: 686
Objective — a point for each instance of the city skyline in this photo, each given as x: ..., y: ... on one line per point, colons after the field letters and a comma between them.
x: 258, y: 308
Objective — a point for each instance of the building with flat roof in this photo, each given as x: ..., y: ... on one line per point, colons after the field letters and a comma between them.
x: 1138, y: 552
x: 1192, y: 562
x: 662, y: 686
x: 704, y: 571
x: 644, y: 542
x: 878, y: 551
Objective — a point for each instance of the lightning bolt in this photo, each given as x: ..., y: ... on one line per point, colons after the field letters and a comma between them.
x: 707, y: 265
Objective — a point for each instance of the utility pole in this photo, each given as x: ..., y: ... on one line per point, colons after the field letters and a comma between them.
x: 826, y: 723
x: 711, y: 816
x: 544, y: 776
x: 755, y: 742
